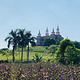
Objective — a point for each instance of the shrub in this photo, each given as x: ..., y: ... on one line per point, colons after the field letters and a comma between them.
x: 52, y: 48
x: 49, y: 59
x: 37, y: 57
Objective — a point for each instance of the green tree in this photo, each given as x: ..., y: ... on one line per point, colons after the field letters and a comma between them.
x: 25, y: 37
x: 72, y: 55
x: 6, y: 52
x: 52, y: 48
x: 59, y: 56
x: 2, y: 52
x: 77, y: 44
x: 4, y: 49
x: 22, y: 40
x: 12, y: 40
x: 30, y: 40
x: 49, y: 41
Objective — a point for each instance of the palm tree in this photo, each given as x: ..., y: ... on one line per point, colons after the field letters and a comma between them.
x: 12, y: 40
x: 22, y: 40
x: 31, y: 40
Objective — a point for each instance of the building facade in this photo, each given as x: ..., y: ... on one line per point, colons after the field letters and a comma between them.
x: 56, y: 36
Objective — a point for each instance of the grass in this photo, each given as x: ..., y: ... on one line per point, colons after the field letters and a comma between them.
x: 38, y: 49
x: 31, y: 54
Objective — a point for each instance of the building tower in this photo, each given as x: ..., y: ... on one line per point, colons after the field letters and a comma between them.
x: 57, y: 31
x: 39, y: 34
x: 39, y: 39
x: 47, y: 34
x: 53, y: 31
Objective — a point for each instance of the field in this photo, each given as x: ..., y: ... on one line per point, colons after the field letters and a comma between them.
x: 41, y: 50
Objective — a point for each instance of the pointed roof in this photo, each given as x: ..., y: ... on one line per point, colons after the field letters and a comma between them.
x: 57, y: 31
x: 53, y: 31
x: 47, y: 34
x: 57, y: 27
x: 47, y: 29
x: 39, y: 34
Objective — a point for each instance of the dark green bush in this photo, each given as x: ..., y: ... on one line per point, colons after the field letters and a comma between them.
x: 67, y: 53
x: 72, y: 55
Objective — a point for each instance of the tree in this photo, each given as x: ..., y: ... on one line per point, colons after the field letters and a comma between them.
x: 12, y: 40
x: 25, y: 38
x: 77, y: 44
x: 22, y: 40
x: 49, y: 41
x: 30, y: 40
x: 6, y: 52
x: 72, y: 55
x: 2, y: 52
x: 4, y: 49
x: 59, y: 56
x: 52, y: 48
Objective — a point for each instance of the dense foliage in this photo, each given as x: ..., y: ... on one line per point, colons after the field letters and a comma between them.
x: 77, y: 44
x: 72, y: 55
x: 67, y: 52
x: 52, y: 48
x: 49, y: 41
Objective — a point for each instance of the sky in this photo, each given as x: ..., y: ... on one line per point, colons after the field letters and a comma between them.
x: 35, y: 15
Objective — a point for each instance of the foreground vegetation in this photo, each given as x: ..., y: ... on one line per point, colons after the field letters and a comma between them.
x: 39, y: 71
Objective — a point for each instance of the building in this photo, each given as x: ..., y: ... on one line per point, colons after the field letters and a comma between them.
x: 56, y: 36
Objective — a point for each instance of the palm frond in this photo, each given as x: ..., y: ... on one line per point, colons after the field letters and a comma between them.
x: 7, y: 38
x: 9, y: 42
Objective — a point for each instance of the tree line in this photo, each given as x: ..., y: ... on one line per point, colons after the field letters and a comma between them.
x: 20, y: 38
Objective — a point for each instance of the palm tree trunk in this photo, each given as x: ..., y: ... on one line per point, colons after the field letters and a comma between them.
x: 18, y: 52
x: 22, y: 54
x: 28, y: 53
x: 13, y: 53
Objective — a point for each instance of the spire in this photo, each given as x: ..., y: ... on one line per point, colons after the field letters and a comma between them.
x: 47, y: 34
x: 57, y: 32
x: 39, y: 34
x: 47, y: 29
x: 57, y: 27
x: 53, y: 31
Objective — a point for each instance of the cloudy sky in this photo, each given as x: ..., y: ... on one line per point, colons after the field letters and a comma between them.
x: 35, y: 15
